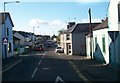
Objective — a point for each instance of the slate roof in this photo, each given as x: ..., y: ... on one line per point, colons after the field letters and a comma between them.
x: 15, y: 38
x: 103, y: 25
x: 6, y: 15
x: 81, y: 27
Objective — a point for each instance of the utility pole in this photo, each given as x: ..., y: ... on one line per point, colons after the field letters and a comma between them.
x: 91, y: 34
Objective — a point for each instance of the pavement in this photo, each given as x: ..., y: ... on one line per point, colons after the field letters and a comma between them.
x: 90, y: 69
x: 93, y: 70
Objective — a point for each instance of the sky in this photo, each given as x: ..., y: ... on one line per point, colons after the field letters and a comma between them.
x: 49, y: 16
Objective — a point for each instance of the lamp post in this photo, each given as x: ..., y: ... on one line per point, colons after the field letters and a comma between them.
x: 33, y: 37
x: 5, y: 37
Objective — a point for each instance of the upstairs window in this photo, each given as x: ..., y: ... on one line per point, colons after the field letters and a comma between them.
x: 7, y: 31
x: 68, y: 36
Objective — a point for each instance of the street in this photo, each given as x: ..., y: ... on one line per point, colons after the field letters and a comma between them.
x: 45, y: 66
x: 49, y: 66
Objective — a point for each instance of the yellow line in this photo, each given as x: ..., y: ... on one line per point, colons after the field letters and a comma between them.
x: 78, y: 72
x: 11, y: 66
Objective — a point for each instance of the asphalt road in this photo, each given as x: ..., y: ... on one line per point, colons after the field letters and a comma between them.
x: 46, y: 66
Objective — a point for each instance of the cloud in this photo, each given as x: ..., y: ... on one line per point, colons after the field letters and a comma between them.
x: 47, y: 26
x: 37, y: 22
x: 55, y: 23
x: 92, y: 20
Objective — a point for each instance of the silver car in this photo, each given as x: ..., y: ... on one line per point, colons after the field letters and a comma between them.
x: 59, y: 49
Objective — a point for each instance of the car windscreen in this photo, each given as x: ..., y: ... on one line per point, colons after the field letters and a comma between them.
x: 58, y: 47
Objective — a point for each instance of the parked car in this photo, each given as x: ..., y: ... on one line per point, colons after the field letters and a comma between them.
x: 59, y: 49
x: 39, y: 47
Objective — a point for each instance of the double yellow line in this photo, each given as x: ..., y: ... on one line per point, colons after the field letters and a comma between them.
x: 78, y: 72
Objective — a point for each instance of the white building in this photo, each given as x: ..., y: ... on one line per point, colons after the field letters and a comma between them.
x: 114, y: 32
x: 73, y: 39
x: 106, y: 40
x: 100, y: 42
x: 6, y: 33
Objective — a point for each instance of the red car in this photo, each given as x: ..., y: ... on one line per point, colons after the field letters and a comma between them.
x: 39, y: 47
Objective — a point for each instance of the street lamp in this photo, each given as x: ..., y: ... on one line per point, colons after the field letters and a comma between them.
x: 33, y: 36
x: 5, y: 45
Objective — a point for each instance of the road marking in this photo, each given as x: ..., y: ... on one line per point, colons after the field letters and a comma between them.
x: 34, y: 73
x: 45, y: 68
x: 11, y: 66
x: 78, y: 72
x: 44, y: 53
x: 24, y: 55
x: 39, y: 62
x: 59, y: 80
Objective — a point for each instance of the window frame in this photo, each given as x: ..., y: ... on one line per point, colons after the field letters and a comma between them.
x: 103, y: 45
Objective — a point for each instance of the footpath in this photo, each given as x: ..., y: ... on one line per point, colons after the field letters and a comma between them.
x: 93, y: 70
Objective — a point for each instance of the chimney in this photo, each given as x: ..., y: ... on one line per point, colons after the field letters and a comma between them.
x: 104, y: 19
x: 71, y: 24
x: 67, y: 26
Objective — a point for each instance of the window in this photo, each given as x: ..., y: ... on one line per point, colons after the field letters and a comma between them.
x: 95, y: 41
x: 69, y: 46
x: 118, y: 12
x: 7, y: 31
x: 68, y: 36
x: 9, y: 47
x: 103, y: 44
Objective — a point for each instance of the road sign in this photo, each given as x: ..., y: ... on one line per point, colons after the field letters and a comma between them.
x: 5, y: 41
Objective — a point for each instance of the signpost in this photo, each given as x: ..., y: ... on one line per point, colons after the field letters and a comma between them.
x: 5, y: 41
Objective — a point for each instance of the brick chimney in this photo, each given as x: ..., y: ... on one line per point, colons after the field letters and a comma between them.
x: 70, y: 24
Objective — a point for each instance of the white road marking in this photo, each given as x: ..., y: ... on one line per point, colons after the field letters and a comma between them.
x: 34, y: 73
x: 44, y: 53
x: 78, y: 72
x: 59, y: 79
x: 45, y: 68
x: 11, y: 66
x: 39, y: 62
